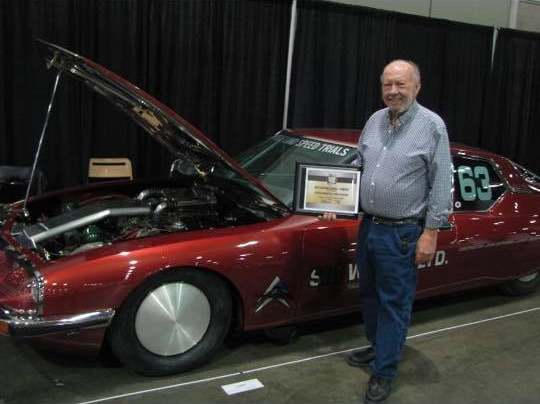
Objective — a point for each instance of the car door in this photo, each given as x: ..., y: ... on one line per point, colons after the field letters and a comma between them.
x: 330, y: 283
x: 460, y: 261
x: 472, y: 233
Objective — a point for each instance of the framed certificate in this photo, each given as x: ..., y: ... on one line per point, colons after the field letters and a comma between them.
x: 320, y: 188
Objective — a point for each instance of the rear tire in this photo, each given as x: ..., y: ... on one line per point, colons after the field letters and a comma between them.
x: 173, y: 322
x: 522, y: 286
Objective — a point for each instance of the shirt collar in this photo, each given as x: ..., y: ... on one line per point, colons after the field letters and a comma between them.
x: 407, y: 115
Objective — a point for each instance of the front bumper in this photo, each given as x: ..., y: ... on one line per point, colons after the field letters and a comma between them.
x: 17, y: 326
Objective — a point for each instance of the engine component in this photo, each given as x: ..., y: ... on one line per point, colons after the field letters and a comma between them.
x: 87, y: 247
x: 30, y: 235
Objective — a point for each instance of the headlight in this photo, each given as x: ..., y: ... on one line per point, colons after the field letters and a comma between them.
x: 22, y: 292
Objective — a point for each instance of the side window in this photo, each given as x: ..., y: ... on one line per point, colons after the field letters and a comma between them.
x: 476, y: 184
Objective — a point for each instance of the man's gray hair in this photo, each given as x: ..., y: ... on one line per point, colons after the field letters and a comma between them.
x: 416, y: 69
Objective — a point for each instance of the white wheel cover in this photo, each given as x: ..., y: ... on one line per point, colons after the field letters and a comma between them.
x: 172, y: 318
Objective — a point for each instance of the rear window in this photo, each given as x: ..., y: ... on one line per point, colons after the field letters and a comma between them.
x: 527, y: 175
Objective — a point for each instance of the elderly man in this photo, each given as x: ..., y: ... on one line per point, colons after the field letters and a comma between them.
x: 405, y: 194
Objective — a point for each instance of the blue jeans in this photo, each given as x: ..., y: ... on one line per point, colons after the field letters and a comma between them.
x: 385, y: 256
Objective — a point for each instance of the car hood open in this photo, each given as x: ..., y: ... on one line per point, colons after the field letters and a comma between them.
x: 179, y: 137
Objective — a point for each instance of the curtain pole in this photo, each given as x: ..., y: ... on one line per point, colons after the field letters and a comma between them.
x: 292, y: 32
x: 493, y: 45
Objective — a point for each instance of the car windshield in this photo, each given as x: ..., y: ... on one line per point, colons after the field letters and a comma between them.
x: 273, y: 161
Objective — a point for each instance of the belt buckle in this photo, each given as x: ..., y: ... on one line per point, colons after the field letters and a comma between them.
x: 378, y: 220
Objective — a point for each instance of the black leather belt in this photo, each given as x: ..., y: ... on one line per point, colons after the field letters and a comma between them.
x: 394, y: 222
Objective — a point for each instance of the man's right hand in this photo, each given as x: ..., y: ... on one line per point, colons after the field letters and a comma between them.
x: 329, y: 216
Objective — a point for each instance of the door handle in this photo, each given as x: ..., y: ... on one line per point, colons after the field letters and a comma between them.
x: 447, y: 226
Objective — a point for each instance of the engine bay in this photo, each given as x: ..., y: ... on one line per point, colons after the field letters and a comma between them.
x: 84, y: 221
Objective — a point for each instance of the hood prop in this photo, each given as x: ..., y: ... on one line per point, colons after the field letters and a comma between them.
x: 36, y: 158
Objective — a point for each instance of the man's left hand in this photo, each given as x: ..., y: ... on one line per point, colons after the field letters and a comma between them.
x: 425, y: 247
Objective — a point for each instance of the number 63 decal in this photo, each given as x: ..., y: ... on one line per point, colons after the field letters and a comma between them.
x: 469, y: 178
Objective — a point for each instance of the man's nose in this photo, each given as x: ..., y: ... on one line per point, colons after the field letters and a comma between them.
x: 394, y: 89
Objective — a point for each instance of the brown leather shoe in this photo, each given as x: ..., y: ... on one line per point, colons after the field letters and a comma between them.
x: 378, y: 390
x: 361, y: 358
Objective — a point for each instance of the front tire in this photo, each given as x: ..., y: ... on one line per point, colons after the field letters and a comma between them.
x: 522, y: 286
x: 172, y: 323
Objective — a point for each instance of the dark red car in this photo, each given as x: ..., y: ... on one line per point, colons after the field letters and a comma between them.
x: 162, y: 270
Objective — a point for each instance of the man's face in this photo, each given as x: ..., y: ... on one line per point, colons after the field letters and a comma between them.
x: 399, y: 87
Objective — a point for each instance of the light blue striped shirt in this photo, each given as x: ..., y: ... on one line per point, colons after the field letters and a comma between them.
x: 406, y: 170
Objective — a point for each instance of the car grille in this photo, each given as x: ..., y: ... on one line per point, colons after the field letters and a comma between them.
x: 8, y: 264
x: 4, y: 264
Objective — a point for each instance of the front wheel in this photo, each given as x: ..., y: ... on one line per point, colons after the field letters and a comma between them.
x: 522, y: 286
x: 173, y: 322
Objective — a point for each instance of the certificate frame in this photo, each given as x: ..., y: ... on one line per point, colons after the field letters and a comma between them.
x: 320, y: 188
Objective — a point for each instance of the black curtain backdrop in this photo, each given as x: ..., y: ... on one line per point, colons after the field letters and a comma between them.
x: 340, y: 52
x: 219, y: 64
x: 512, y: 113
